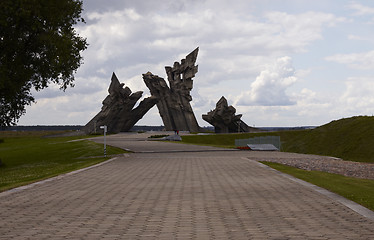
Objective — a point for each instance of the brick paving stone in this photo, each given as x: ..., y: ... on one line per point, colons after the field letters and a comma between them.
x: 177, y: 195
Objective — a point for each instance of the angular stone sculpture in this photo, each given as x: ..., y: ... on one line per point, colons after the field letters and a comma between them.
x: 174, y: 100
x: 117, y: 112
x: 224, y: 120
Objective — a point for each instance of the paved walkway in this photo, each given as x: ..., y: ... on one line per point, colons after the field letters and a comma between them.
x: 177, y: 194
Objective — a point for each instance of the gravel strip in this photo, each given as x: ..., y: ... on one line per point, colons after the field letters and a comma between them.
x: 327, y: 164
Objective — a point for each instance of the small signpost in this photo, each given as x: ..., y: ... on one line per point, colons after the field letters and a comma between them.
x: 105, y: 129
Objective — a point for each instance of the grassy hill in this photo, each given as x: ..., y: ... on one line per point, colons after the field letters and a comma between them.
x: 349, y: 138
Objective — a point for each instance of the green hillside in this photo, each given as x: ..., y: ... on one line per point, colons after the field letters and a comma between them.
x: 350, y: 139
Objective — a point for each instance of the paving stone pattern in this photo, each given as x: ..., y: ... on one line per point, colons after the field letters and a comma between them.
x: 212, y: 195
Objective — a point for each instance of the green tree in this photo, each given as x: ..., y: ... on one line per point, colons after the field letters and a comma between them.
x: 38, y: 46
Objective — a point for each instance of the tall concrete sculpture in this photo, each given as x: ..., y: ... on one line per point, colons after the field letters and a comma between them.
x: 117, y: 112
x: 224, y: 120
x: 174, y: 100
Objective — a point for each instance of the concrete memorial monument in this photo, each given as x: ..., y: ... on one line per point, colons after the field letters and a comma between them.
x: 118, y: 112
x: 224, y: 120
x: 174, y: 100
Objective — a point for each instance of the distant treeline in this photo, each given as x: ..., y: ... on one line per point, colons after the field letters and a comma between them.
x: 73, y: 128
x: 147, y: 128
x: 44, y: 128
x: 134, y: 129
x: 276, y: 129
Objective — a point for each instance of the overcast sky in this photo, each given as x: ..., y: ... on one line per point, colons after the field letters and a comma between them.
x: 279, y: 63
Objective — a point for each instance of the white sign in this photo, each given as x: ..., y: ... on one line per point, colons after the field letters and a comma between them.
x: 105, y: 130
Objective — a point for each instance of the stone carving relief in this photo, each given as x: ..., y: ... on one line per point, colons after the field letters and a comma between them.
x: 118, y: 112
x: 224, y: 120
x: 174, y: 99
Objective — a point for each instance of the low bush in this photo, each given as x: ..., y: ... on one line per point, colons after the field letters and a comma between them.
x: 158, y: 136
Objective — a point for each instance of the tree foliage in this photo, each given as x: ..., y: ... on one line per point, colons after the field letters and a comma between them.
x: 38, y: 46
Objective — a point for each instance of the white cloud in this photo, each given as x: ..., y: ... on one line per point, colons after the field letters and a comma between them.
x: 83, y: 86
x: 355, y: 37
x: 364, y: 60
x: 311, y: 104
x: 316, y: 108
x: 110, y: 33
x: 269, y: 88
x: 237, y: 42
x: 360, y: 10
x: 358, y: 97
x: 135, y: 83
x: 127, y: 37
x: 295, y: 32
x: 61, y: 110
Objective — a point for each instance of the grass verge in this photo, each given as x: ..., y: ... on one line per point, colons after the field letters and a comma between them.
x: 28, y: 157
x: 358, y: 190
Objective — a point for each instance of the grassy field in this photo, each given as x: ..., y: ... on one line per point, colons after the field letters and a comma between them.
x: 350, y: 139
x: 28, y: 156
x: 360, y: 191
